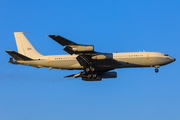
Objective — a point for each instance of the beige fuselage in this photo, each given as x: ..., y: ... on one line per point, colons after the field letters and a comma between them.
x: 128, y: 59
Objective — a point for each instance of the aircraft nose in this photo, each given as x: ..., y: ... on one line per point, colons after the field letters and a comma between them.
x: 174, y: 59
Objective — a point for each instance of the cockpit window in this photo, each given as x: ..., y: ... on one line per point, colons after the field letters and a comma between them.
x: 166, y: 55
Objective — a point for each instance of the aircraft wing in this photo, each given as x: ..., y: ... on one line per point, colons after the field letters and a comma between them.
x: 72, y: 47
x: 86, y: 60
x: 86, y: 55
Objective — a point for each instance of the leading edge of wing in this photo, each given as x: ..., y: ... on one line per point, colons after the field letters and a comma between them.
x: 61, y: 40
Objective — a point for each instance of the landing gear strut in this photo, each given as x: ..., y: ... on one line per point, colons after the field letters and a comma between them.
x: 156, y: 69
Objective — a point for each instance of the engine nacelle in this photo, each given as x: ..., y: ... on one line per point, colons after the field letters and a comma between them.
x: 103, y: 56
x: 81, y: 48
x: 108, y: 75
x: 99, y: 77
x: 91, y: 79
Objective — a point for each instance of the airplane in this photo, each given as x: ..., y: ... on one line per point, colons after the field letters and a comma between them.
x: 94, y: 65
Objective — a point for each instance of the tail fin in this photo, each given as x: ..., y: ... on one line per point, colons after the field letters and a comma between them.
x: 24, y: 46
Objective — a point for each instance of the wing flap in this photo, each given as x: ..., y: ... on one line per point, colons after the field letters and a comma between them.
x: 83, y: 60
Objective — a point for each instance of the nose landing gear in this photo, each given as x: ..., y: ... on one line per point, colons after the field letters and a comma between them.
x: 156, y: 69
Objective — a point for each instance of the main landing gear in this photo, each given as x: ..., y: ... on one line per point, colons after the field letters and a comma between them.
x: 90, y: 71
x: 156, y: 69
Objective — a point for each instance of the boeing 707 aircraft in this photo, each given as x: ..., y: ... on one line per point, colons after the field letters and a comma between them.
x: 93, y: 65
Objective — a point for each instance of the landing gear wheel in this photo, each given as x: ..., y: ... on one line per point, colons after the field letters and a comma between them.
x: 156, y: 70
x: 92, y: 69
x: 87, y: 70
x: 89, y: 75
x: 94, y: 75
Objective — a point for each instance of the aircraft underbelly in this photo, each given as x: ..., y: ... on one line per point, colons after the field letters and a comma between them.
x: 64, y: 64
x: 141, y: 62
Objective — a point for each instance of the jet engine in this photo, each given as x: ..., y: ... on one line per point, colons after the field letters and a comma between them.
x: 100, y: 76
x: 103, y: 56
x: 82, y: 48
x: 108, y: 75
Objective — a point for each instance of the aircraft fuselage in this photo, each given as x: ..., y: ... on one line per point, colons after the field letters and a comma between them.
x: 127, y: 59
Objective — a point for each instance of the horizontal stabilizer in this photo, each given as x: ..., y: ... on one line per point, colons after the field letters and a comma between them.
x: 17, y: 56
x: 61, y: 40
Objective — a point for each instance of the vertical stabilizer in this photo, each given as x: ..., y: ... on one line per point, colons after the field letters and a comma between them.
x: 24, y: 46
